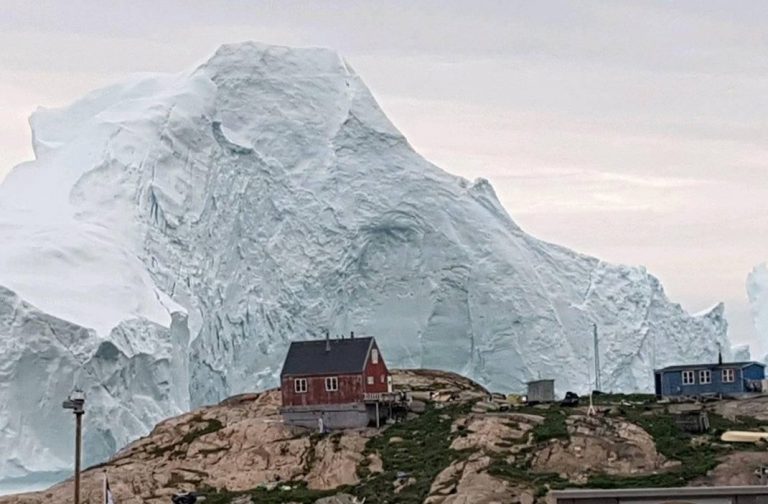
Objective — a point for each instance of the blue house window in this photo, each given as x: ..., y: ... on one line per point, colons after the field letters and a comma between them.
x: 688, y: 378
x: 705, y: 376
x: 729, y: 376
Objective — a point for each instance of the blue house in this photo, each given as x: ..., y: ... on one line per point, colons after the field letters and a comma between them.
x: 730, y: 378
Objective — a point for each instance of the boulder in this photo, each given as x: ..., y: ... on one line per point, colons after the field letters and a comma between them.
x: 600, y: 445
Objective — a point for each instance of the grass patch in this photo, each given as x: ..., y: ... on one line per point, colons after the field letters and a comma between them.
x: 298, y: 493
x: 605, y: 399
x: 211, y: 425
x: 179, y: 449
x: 521, y: 474
x: 696, y: 459
x: 674, y: 444
x: 720, y: 424
x: 553, y: 426
x: 422, y: 454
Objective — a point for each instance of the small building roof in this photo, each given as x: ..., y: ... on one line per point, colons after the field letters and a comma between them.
x: 325, y: 357
x: 587, y: 495
x: 715, y: 365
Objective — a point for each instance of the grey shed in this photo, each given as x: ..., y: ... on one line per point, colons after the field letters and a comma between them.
x: 541, y: 391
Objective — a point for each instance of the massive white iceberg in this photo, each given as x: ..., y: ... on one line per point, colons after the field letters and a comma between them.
x: 175, y: 232
x: 757, y: 291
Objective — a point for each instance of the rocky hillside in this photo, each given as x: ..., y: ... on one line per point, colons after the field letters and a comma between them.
x: 459, y: 444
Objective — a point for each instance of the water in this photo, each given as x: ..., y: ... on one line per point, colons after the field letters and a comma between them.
x: 32, y: 483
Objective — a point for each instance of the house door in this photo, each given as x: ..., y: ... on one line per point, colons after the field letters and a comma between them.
x: 657, y: 383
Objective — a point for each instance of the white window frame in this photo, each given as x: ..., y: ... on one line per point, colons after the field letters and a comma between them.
x: 705, y: 373
x: 729, y: 375
x: 370, y: 380
x: 331, y: 383
x: 300, y: 385
x: 691, y: 377
x: 375, y: 356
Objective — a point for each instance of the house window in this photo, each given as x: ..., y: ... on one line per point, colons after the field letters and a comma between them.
x: 382, y: 378
x: 370, y: 380
x: 729, y: 376
x: 332, y: 384
x: 705, y: 376
x: 688, y: 378
x: 300, y: 385
x: 375, y: 356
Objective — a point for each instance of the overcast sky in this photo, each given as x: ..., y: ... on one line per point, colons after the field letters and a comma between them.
x: 633, y: 131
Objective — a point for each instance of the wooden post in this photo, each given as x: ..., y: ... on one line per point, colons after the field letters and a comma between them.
x: 76, y: 403
x: 378, y: 420
x: 78, y: 444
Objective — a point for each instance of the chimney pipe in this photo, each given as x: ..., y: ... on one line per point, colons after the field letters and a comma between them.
x: 327, y: 340
x: 351, y: 334
x: 719, y: 355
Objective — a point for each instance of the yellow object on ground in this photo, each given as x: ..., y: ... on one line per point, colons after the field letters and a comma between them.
x: 515, y: 399
x: 744, y: 436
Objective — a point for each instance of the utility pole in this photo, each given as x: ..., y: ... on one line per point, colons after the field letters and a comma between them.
x: 598, y: 384
x: 76, y: 403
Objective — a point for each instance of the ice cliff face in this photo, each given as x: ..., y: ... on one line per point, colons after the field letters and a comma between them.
x: 757, y: 291
x: 174, y: 233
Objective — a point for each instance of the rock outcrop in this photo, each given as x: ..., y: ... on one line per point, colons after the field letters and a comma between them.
x: 238, y: 445
x: 468, y: 482
x: 600, y: 446
x: 240, y: 452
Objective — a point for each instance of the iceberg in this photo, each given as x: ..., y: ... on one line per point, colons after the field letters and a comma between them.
x: 757, y: 292
x: 175, y: 232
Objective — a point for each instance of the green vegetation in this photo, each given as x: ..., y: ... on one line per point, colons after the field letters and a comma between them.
x: 414, y: 452
x: 421, y: 455
x: 520, y: 473
x: 416, y: 460
x: 697, y: 454
x: 604, y: 399
x: 553, y: 426
x: 179, y: 449
x: 720, y: 424
x: 211, y: 425
x: 293, y: 492
x: 696, y: 458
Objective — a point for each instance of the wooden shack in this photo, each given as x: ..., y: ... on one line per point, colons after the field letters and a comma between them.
x: 541, y: 391
x: 336, y: 383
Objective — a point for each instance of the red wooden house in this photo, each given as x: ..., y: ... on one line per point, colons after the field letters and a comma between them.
x: 339, y: 383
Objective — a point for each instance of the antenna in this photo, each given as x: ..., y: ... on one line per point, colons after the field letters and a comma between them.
x: 598, y: 384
